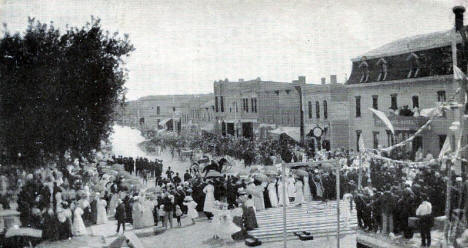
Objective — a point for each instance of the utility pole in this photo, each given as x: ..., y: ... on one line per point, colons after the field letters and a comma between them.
x: 299, y: 91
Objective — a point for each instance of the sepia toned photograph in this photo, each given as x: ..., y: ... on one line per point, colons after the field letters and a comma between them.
x: 233, y: 123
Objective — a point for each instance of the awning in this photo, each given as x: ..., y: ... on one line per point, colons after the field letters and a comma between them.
x: 265, y: 125
x: 163, y: 122
x: 293, y: 132
x: 209, y: 127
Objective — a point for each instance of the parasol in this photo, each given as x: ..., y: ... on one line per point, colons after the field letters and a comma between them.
x: 301, y: 173
x: 213, y: 174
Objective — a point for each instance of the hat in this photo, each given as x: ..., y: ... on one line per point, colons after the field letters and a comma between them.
x: 188, y: 198
x: 241, y: 191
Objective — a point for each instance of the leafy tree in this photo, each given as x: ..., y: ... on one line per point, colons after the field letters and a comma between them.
x: 58, y: 90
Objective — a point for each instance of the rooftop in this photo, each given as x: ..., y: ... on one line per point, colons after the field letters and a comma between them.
x: 412, y: 44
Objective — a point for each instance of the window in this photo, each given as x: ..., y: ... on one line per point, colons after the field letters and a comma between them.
x: 415, y: 101
x: 221, y: 102
x: 358, y: 106
x: 237, y: 109
x: 414, y: 64
x: 310, y: 109
x: 390, y: 140
x: 173, y: 109
x: 441, y: 96
x: 252, y: 105
x: 376, y: 139
x: 364, y: 72
x: 325, y: 110
x: 255, y: 102
x: 246, y: 105
x: 394, y: 103
x: 216, y: 104
x: 375, y: 102
x: 158, y: 110
x: 358, y: 136
x: 382, y: 64
x: 317, y: 110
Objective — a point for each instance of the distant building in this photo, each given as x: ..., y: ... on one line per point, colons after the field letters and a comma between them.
x: 158, y: 111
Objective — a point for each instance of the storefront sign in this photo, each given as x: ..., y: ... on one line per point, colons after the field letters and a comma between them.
x: 403, y: 122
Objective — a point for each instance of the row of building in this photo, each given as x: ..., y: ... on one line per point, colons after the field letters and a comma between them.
x: 401, y: 78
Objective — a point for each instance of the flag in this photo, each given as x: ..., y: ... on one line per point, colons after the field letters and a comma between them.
x: 384, y: 119
x: 458, y: 74
x: 361, y: 145
x: 445, y: 148
x: 431, y: 112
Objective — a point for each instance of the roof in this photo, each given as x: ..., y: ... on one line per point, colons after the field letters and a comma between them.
x: 412, y: 44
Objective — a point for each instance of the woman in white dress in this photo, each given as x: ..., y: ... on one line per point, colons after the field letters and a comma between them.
x: 280, y: 193
x: 291, y: 188
x: 137, y: 214
x: 259, y: 200
x: 101, y: 211
x: 272, y: 193
x: 209, y: 204
x: 148, y: 206
x: 299, y: 194
x: 78, y: 227
x: 347, y: 198
x: 191, y: 208
x: 307, y: 193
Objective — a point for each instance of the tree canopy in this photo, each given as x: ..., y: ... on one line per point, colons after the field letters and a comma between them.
x: 58, y: 90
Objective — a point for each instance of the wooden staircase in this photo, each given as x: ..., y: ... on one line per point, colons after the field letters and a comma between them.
x: 315, y: 217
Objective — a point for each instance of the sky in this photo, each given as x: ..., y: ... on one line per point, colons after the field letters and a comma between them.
x: 182, y: 47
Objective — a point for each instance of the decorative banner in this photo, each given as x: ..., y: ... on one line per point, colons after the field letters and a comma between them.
x: 446, y: 147
x: 384, y: 119
x: 405, y: 142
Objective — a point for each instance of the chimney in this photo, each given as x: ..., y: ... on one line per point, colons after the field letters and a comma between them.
x: 241, y: 80
x: 333, y: 79
x: 458, y: 11
x: 324, y: 80
x: 301, y: 79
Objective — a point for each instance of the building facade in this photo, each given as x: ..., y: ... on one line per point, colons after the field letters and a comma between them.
x: 402, y: 79
x: 241, y: 107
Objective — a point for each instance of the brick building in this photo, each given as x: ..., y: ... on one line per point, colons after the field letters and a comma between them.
x: 325, y: 108
x: 402, y: 78
x: 241, y: 107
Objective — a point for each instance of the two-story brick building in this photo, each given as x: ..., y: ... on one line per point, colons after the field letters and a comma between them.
x: 240, y: 107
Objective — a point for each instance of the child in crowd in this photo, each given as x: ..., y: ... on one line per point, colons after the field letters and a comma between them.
x: 178, y: 214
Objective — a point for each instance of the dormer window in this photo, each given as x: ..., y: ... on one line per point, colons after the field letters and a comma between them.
x: 364, y: 71
x: 414, y: 63
x: 382, y: 64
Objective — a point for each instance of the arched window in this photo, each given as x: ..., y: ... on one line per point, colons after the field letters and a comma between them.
x: 382, y: 64
x: 364, y: 67
x: 325, y: 110
x: 414, y: 64
x: 317, y: 110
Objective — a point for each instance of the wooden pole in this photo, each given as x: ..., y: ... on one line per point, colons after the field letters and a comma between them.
x: 284, y: 205
x: 447, y: 202
x: 338, y: 167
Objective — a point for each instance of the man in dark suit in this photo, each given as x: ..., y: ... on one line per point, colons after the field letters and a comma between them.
x: 120, y: 215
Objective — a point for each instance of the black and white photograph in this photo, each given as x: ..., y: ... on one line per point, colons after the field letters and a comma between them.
x: 233, y: 123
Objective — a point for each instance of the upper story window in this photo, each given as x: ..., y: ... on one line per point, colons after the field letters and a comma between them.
x: 414, y: 64
x: 158, y: 110
x: 364, y: 67
x: 221, y: 102
x: 173, y: 109
x: 441, y: 96
x: 375, y: 102
x: 310, y: 109
x: 415, y: 100
x: 358, y: 106
x: 383, y: 66
x: 216, y: 104
x: 325, y: 110
x: 394, y: 102
x: 245, y: 105
x: 317, y: 110
x: 254, y: 105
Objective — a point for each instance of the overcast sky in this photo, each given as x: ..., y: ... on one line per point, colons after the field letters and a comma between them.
x: 183, y: 46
